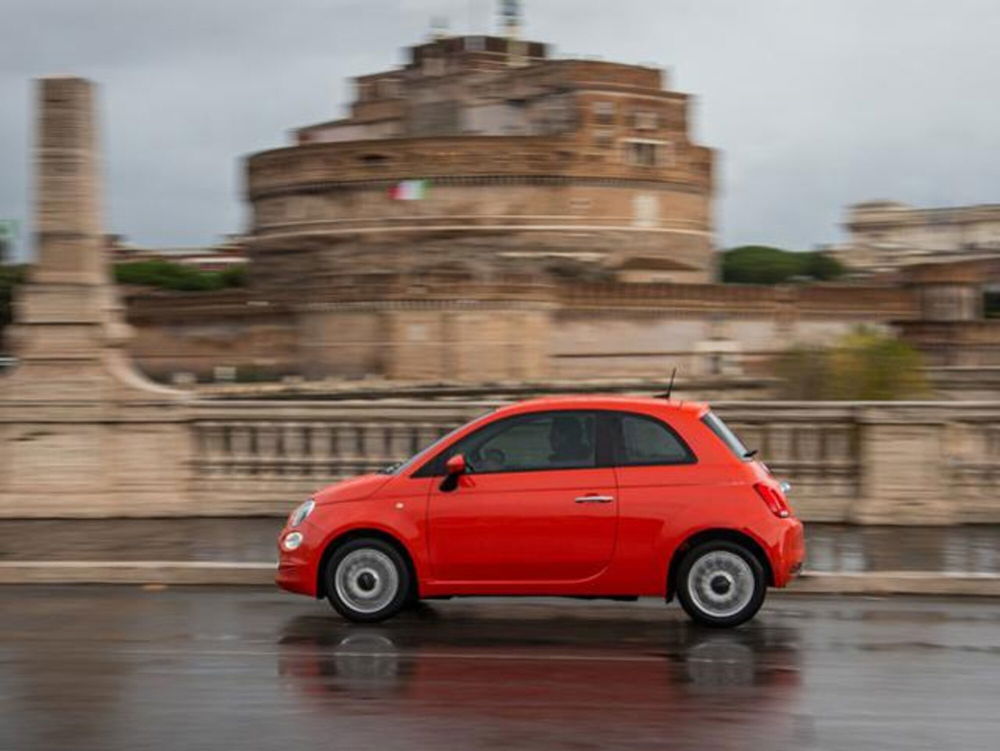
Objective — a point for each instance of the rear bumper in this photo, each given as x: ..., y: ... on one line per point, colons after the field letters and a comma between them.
x: 791, y: 553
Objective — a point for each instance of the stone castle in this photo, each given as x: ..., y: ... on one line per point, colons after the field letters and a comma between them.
x: 487, y: 212
x: 516, y: 163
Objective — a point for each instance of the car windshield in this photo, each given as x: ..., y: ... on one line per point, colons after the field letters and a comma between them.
x: 404, y: 465
x: 728, y: 437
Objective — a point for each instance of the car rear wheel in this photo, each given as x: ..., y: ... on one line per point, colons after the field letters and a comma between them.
x: 367, y: 580
x: 721, y: 584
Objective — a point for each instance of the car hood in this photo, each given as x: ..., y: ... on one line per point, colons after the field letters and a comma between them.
x: 354, y: 489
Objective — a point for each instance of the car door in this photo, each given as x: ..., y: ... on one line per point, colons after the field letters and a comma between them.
x: 533, y: 506
x: 658, y: 477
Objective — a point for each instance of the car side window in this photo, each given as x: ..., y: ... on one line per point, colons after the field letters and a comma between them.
x: 534, y: 442
x: 646, y: 441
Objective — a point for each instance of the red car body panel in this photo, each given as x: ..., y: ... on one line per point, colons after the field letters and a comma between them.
x: 523, y: 533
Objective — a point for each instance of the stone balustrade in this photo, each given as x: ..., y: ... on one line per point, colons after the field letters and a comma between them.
x: 870, y: 462
x: 264, y: 456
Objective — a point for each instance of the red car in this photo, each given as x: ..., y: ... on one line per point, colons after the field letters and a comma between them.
x: 592, y: 497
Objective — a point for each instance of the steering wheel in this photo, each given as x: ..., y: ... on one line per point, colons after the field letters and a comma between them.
x: 492, y: 460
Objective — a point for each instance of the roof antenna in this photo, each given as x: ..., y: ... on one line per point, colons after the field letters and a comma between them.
x: 670, y: 387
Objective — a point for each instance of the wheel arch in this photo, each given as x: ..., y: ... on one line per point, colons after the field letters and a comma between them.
x: 708, y: 535
x: 358, y: 533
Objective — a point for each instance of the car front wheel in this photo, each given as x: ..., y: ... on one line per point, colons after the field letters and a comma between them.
x: 367, y: 580
x: 721, y: 584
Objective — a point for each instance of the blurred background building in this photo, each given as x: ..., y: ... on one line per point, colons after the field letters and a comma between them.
x: 484, y: 156
x: 487, y: 212
x: 226, y: 254
x: 887, y: 235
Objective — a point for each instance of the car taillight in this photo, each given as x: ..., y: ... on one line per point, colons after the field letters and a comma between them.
x: 774, y: 499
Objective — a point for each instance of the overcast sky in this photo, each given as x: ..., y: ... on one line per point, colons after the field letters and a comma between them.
x: 812, y: 104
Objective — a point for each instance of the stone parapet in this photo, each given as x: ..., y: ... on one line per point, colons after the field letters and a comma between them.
x: 868, y: 463
x: 884, y: 303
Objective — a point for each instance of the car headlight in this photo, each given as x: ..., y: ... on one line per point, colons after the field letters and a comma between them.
x: 299, y: 515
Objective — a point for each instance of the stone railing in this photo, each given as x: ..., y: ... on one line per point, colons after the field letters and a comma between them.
x: 870, y: 462
x: 263, y: 456
x: 815, y: 447
x: 888, y: 462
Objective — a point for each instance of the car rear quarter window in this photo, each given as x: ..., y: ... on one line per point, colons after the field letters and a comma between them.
x: 643, y: 440
x: 726, y: 435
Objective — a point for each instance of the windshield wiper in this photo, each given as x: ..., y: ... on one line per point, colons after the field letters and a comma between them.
x: 750, y: 453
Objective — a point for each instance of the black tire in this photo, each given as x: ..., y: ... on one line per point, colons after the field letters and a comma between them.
x: 714, y: 588
x: 369, y: 565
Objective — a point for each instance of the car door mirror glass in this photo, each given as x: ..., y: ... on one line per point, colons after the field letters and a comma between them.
x: 455, y: 465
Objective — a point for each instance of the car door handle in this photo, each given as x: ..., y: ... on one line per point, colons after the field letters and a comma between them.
x: 594, y: 499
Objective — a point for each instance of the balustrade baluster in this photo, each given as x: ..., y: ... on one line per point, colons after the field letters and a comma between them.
x: 294, y: 450
x: 242, y: 444
x: 321, y: 444
x: 268, y: 454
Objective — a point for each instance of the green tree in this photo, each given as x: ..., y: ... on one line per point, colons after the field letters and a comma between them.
x: 821, y: 266
x: 10, y: 278
x: 762, y: 264
x: 865, y: 365
x: 176, y: 276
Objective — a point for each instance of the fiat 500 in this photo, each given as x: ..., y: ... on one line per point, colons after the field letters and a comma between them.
x: 592, y: 497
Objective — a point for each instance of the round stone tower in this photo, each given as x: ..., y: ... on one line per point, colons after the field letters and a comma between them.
x: 485, y: 157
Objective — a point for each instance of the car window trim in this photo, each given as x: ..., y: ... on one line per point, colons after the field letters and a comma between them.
x: 618, y: 444
x: 603, y: 451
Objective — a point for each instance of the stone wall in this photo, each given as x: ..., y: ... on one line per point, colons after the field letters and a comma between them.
x: 455, y: 329
x: 196, y: 333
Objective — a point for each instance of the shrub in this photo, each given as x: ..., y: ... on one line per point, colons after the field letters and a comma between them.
x: 10, y: 277
x: 864, y: 365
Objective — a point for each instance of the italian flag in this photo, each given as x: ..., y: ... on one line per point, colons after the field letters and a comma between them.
x: 408, y: 190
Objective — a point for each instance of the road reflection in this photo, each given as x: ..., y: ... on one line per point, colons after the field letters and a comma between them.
x: 655, y: 676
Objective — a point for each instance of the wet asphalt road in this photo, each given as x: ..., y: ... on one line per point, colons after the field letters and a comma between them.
x: 214, y: 668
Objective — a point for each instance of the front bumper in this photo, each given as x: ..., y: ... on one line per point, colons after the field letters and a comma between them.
x: 297, y: 568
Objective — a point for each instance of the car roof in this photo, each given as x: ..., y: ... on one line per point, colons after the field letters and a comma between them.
x: 604, y: 401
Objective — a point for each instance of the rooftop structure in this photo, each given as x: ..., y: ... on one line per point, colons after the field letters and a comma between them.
x: 886, y: 235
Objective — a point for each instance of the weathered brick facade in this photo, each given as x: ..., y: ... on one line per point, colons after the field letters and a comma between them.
x: 527, y: 162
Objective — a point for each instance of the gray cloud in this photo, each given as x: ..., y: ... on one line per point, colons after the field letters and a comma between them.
x: 812, y: 104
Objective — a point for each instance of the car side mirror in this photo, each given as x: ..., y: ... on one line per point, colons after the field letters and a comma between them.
x: 455, y: 465
x: 454, y: 468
